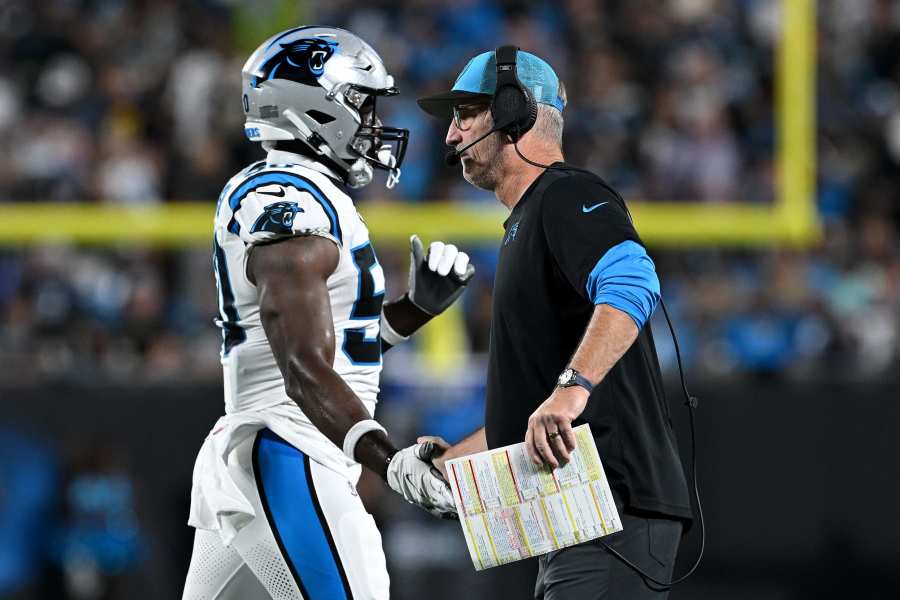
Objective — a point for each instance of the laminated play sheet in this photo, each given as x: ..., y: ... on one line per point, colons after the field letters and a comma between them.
x: 511, y: 509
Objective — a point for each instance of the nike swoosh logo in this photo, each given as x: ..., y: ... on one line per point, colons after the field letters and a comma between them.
x: 279, y: 193
x: 585, y: 209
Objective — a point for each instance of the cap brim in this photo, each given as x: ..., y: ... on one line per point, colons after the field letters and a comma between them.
x: 441, y: 105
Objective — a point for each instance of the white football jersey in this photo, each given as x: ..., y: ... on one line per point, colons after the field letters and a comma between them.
x: 290, y: 195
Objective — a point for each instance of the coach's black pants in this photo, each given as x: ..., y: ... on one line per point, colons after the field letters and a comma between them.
x: 589, y: 571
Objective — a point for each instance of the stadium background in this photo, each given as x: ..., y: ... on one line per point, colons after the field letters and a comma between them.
x: 758, y: 142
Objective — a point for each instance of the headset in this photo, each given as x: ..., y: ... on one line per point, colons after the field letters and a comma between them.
x: 514, y: 111
x: 513, y: 107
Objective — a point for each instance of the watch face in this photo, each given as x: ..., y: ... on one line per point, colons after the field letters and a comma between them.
x: 566, y: 377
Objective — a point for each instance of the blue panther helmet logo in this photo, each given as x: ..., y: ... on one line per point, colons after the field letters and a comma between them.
x: 302, y: 61
x: 277, y: 218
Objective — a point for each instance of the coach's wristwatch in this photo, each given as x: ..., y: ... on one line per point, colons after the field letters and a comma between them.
x: 570, y: 377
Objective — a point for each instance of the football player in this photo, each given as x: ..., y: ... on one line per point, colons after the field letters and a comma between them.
x: 304, y: 325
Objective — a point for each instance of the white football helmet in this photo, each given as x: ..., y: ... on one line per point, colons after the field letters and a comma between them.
x: 319, y: 85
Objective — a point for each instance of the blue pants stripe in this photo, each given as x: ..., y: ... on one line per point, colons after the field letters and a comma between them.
x: 284, y: 481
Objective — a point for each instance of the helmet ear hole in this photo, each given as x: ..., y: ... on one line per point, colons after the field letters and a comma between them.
x: 319, y: 117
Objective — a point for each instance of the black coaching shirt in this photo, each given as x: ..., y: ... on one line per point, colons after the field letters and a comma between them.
x: 554, y: 237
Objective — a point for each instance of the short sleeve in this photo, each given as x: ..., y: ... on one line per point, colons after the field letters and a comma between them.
x: 273, y: 205
x: 583, y: 219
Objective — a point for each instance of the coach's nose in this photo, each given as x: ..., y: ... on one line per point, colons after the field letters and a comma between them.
x: 454, y: 135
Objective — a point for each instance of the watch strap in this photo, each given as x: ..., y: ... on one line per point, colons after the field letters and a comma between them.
x: 581, y: 380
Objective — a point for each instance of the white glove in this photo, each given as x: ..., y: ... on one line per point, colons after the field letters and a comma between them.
x: 437, y: 279
x: 442, y: 257
x: 411, y: 474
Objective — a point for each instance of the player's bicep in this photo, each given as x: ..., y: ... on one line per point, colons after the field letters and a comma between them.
x: 291, y: 277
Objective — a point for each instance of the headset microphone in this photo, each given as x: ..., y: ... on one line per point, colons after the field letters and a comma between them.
x: 453, y: 156
x: 451, y: 159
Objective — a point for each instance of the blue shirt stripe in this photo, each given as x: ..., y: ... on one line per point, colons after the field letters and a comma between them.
x: 284, y: 178
x: 625, y: 278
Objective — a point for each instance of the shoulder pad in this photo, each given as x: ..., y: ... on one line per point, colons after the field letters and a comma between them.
x: 274, y: 204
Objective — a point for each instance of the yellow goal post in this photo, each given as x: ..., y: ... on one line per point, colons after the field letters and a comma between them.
x: 790, y: 219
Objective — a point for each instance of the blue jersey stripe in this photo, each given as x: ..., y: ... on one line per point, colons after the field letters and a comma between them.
x: 260, y: 164
x: 284, y: 178
x: 284, y: 480
x: 625, y: 278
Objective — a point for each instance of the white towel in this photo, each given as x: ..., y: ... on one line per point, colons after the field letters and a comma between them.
x: 217, y: 502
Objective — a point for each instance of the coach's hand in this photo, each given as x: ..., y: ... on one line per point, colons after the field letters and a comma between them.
x: 550, y: 439
x: 438, y: 278
x: 411, y: 474
x: 437, y: 453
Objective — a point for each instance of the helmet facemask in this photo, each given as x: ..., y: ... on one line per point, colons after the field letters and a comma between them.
x: 380, y: 146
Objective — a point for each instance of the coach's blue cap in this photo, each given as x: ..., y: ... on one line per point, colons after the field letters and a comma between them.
x: 479, y: 80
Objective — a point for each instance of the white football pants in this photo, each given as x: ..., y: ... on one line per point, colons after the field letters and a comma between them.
x: 312, y: 539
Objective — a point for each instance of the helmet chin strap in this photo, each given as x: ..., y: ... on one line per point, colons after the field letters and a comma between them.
x: 387, y: 158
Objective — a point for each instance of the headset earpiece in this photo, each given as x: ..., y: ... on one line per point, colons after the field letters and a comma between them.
x: 512, y: 107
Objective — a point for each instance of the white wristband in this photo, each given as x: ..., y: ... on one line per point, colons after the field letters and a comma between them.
x: 388, y: 334
x: 358, y: 430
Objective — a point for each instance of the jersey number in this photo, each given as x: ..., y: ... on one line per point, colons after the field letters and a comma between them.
x: 357, y: 347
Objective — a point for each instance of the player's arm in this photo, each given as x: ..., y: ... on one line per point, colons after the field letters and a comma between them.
x: 436, y: 280
x: 295, y: 310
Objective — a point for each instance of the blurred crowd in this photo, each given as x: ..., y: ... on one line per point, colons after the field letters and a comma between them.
x: 138, y: 102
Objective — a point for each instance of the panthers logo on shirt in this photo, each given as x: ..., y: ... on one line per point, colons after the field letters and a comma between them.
x: 302, y: 61
x: 277, y: 218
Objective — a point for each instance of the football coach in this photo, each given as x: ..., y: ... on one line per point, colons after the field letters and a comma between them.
x: 570, y: 341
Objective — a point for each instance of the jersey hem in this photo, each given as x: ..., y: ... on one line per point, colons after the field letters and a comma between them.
x: 677, y: 511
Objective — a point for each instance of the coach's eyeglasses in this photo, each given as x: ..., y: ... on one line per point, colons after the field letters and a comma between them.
x: 464, y: 115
